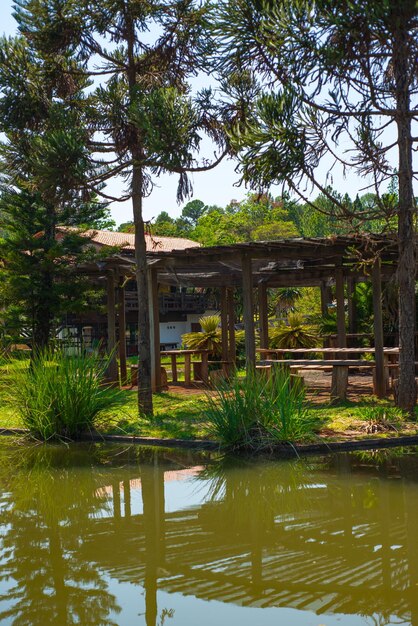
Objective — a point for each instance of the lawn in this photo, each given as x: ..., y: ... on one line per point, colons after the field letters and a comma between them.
x: 181, y: 416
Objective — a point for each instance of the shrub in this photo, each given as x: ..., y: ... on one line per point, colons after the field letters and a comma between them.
x: 209, y: 338
x: 61, y: 396
x: 295, y: 334
x: 256, y: 413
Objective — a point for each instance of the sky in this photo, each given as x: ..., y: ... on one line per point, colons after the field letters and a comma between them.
x: 215, y: 187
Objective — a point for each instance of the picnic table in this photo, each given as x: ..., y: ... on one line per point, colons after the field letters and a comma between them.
x: 187, y: 354
x: 340, y: 363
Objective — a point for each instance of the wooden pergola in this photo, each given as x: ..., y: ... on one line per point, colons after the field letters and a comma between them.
x: 257, y: 266
x: 282, y: 263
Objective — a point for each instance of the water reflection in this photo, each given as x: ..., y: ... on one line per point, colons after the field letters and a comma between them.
x: 42, y: 504
x: 333, y: 536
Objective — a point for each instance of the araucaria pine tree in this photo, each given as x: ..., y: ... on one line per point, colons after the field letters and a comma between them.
x: 141, y: 55
x: 44, y: 166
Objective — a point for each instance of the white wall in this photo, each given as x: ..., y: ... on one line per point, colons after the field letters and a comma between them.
x: 171, y: 332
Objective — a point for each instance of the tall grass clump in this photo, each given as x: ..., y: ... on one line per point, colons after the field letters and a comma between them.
x: 62, y: 396
x: 256, y: 413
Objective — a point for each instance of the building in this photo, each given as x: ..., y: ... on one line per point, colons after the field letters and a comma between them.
x: 180, y: 307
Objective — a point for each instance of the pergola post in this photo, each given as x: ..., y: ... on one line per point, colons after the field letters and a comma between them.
x: 380, y: 377
x: 154, y: 317
x: 122, y: 331
x: 352, y: 309
x: 232, y: 357
x: 248, y: 302
x: 339, y: 380
x: 325, y: 300
x: 339, y: 292
x: 263, y: 314
x: 112, y: 370
x: 224, y: 324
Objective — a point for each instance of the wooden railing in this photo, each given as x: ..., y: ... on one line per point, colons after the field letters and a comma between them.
x: 185, y: 302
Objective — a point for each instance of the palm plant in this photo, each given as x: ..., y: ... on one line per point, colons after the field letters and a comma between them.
x: 295, y: 334
x: 209, y: 338
x: 283, y: 300
x: 326, y: 324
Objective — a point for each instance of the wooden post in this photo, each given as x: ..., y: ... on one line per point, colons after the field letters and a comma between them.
x: 339, y: 289
x: 224, y: 324
x: 205, y: 368
x: 352, y: 309
x: 324, y: 297
x: 380, y: 374
x: 339, y: 383
x: 248, y: 302
x: 122, y: 332
x: 263, y: 313
x: 187, y: 369
x: 154, y: 318
x: 231, y: 327
x: 174, y: 368
x: 112, y: 370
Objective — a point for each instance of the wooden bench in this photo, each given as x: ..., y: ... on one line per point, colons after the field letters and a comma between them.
x: 339, y: 368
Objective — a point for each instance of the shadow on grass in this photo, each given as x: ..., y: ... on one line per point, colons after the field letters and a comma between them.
x: 175, y: 416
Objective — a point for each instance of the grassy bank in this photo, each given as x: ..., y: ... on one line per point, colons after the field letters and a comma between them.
x: 181, y: 415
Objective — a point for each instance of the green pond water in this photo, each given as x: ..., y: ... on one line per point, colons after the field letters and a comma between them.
x: 101, y: 535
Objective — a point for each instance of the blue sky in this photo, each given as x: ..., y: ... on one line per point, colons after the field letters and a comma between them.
x: 217, y: 186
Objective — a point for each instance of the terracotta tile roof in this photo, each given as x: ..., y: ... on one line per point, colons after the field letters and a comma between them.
x: 126, y: 241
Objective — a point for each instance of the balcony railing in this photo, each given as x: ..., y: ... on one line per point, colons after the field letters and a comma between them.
x: 172, y: 302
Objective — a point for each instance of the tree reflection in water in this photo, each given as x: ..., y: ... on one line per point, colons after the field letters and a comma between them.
x: 46, y: 510
x: 330, y: 536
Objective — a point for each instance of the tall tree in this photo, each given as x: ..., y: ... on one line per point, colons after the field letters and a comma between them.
x: 43, y: 166
x: 339, y: 80
x: 256, y: 218
x: 145, y: 119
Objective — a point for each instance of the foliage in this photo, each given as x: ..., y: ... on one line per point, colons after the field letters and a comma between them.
x: 209, y: 338
x: 256, y: 413
x: 322, y: 79
x: 283, y: 300
x: 363, y: 298
x: 44, y: 164
x: 258, y: 217
x: 326, y: 324
x: 383, y: 418
x: 295, y: 334
x: 62, y: 396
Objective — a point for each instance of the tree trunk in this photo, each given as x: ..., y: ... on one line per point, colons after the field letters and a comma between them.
x: 42, y: 321
x: 135, y: 147
x: 45, y: 305
x: 406, y: 235
x: 144, y: 342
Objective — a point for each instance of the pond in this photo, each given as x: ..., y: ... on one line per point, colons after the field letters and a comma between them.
x: 109, y: 535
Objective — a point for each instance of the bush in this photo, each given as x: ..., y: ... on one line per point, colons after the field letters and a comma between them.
x: 295, y: 334
x: 61, y: 396
x: 209, y: 338
x: 256, y: 413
